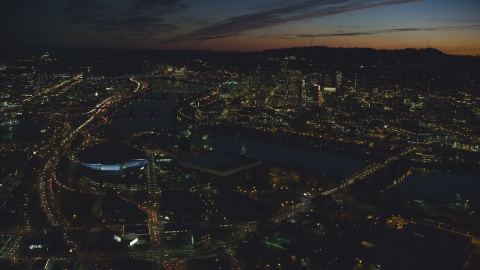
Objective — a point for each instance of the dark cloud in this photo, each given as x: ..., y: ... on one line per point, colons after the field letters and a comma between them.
x: 145, y: 16
x: 22, y: 21
x: 221, y: 36
x: 185, y: 5
x: 26, y: 36
x: 458, y: 21
x: 197, y: 21
x: 393, y: 30
x: 353, y: 26
x: 158, y: 3
x: 80, y: 12
x: 276, y: 37
x: 74, y: 4
x: 284, y: 12
x: 353, y: 34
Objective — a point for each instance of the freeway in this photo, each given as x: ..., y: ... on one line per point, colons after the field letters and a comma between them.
x: 47, y: 177
x: 57, y: 147
x: 150, y: 172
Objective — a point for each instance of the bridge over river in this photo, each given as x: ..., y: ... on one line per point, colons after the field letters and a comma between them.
x: 368, y: 170
x: 177, y: 89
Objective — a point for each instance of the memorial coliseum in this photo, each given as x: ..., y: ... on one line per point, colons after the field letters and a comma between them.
x: 112, y: 156
x: 112, y: 165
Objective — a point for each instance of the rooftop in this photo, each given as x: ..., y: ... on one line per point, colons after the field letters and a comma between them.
x: 136, y: 229
x: 110, y: 153
x: 220, y: 163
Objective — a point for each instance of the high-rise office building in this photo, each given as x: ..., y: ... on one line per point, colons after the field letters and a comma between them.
x: 339, y: 79
x: 284, y: 67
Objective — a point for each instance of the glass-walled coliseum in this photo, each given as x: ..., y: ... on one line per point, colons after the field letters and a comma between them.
x: 112, y: 156
x: 137, y: 163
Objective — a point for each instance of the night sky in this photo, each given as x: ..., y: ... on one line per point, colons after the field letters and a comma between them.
x: 452, y: 26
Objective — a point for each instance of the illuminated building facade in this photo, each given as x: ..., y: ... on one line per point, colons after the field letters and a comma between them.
x: 112, y: 156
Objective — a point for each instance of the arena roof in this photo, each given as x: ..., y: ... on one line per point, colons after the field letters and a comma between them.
x: 220, y: 163
x: 110, y: 153
x: 141, y: 229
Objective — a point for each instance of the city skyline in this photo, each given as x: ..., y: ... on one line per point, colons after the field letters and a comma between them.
x: 452, y: 27
x: 303, y: 158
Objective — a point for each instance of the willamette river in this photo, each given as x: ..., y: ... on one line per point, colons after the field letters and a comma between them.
x: 152, y: 111
x: 141, y: 118
x: 318, y: 163
x: 438, y: 186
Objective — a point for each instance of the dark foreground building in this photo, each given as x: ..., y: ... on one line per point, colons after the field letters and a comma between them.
x: 136, y: 234
x: 179, y: 235
x: 40, y: 264
x: 420, y: 247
